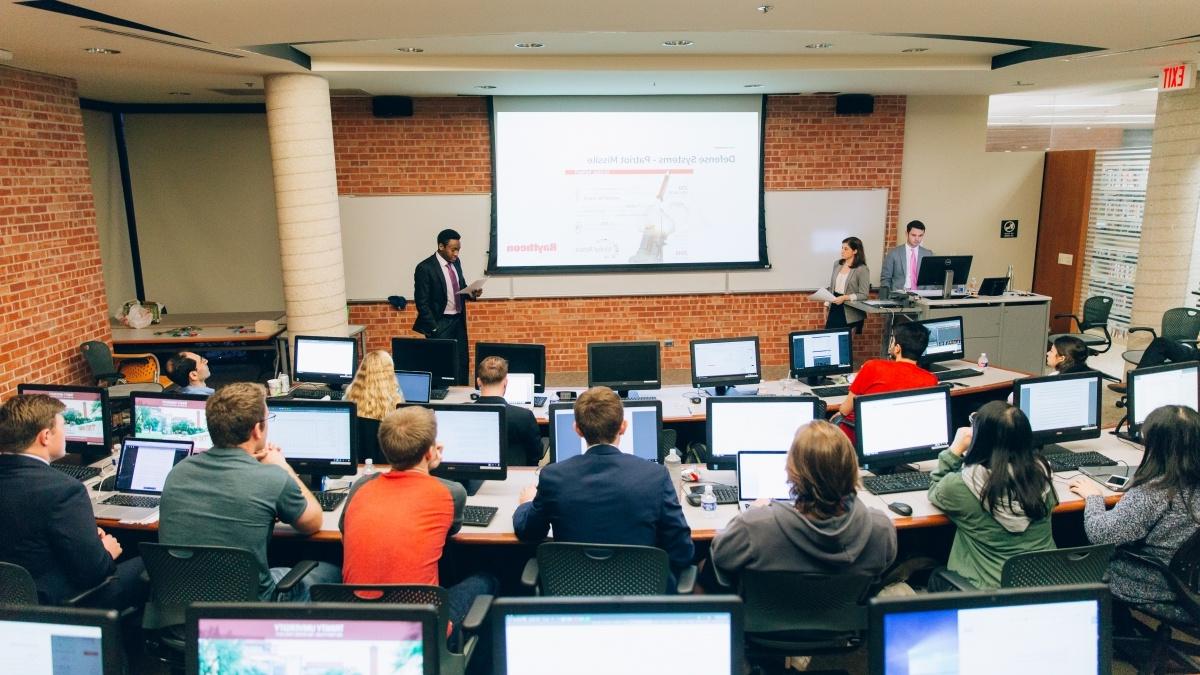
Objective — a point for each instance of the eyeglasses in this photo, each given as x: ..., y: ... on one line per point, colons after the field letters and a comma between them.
x: 271, y: 416
x: 971, y: 418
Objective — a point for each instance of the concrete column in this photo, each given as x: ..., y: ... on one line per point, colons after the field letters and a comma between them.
x: 310, y: 230
x: 1168, y: 261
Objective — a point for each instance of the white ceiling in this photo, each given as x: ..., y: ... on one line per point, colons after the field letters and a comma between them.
x: 612, y: 47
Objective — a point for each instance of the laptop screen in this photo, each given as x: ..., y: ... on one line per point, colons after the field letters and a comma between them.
x: 144, y: 464
x: 414, y: 385
x: 520, y: 389
x: 763, y: 474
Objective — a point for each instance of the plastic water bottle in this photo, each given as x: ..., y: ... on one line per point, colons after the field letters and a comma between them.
x: 983, y: 360
x: 708, y: 501
x: 674, y: 465
x: 369, y: 467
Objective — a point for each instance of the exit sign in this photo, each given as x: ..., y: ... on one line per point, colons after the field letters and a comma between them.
x: 1179, y: 76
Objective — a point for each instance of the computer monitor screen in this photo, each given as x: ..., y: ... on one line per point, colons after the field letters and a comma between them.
x: 624, y: 365
x: 932, y: 271
x: 439, y: 357
x: 1152, y: 388
x: 520, y: 389
x: 551, y: 636
x: 177, y: 417
x: 902, y: 426
x: 88, y: 418
x: 763, y: 474
x: 725, y: 362
x: 756, y: 423
x: 414, y: 385
x: 328, y: 360
x: 327, y: 638
x: 817, y: 353
x: 946, y: 341
x: 1060, y: 407
x: 522, y: 358
x: 643, y: 419
x: 317, y: 437
x: 145, y: 463
x: 52, y: 640
x: 1054, y: 629
x: 474, y: 440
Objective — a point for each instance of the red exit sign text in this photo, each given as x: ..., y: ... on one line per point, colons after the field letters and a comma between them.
x: 1179, y: 76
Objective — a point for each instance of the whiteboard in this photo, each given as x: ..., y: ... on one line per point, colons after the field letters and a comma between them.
x: 383, y: 239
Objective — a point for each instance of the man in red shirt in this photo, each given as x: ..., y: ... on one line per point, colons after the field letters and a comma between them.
x: 395, y: 524
x: 881, y: 375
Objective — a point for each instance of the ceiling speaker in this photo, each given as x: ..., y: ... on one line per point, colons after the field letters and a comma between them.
x: 392, y: 106
x: 855, y: 104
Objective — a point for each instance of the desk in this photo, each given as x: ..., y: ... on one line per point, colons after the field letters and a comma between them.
x: 214, y: 333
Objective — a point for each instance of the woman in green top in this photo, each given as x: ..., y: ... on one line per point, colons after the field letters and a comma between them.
x: 997, y: 491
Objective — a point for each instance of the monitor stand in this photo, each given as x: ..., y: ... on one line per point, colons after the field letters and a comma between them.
x: 935, y: 368
x: 818, y: 381
x: 472, y: 486
x: 948, y: 285
x: 892, y: 468
x: 1054, y: 449
x: 729, y: 390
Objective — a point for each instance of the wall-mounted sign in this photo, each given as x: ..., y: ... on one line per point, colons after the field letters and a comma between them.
x: 1178, y: 76
x: 1008, y: 229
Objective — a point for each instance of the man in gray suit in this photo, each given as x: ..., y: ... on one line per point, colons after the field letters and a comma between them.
x: 900, y: 265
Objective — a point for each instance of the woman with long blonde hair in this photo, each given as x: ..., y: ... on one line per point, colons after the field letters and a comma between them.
x: 375, y: 393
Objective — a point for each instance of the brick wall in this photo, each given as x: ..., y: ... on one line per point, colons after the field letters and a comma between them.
x: 443, y: 148
x: 51, y: 283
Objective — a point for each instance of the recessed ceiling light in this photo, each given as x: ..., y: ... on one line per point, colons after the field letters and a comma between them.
x: 101, y: 50
x: 485, y: 86
x: 1022, y: 83
x: 752, y: 86
x: 914, y: 50
x: 677, y: 43
x: 529, y: 45
x: 765, y: 8
x: 819, y: 45
x: 179, y: 93
x: 409, y: 50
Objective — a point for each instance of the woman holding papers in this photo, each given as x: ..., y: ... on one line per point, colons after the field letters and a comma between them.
x: 850, y: 280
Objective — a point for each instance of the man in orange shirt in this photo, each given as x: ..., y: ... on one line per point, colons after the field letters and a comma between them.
x: 878, y: 376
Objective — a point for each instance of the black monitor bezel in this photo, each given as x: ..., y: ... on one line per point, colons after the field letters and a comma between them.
x: 725, y: 380
x: 930, y: 274
x: 431, y: 633
x: 718, y: 462
x: 636, y: 403
x: 486, y: 349
x: 442, y: 378
x: 625, y: 385
x: 107, y: 620
x: 324, y: 378
x: 1047, y: 436
x: 663, y: 604
x: 880, y: 607
x: 1135, y: 427
x: 901, y: 455
x: 324, y: 467
x: 162, y: 396
x: 86, y: 450
x: 959, y: 355
x: 819, y: 371
x: 428, y: 388
x: 461, y: 471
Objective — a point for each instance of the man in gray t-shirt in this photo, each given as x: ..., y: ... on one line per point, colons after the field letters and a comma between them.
x: 232, y: 494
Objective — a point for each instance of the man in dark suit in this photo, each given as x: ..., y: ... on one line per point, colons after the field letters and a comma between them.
x: 524, y: 439
x: 46, y: 516
x: 901, y: 264
x: 441, y: 311
x: 605, y: 496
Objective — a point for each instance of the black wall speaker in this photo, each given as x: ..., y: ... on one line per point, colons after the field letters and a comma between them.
x: 855, y: 104
x: 392, y: 106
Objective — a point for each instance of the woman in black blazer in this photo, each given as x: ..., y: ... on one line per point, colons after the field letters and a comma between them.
x: 850, y: 280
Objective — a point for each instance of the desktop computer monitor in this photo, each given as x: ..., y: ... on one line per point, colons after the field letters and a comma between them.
x: 318, y: 438
x: 817, y: 353
x: 1066, y: 630
x: 946, y: 342
x: 755, y: 423
x: 725, y: 362
x: 901, y: 426
x: 643, y: 419
x: 325, y: 360
x: 474, y: 441
x: 88, y: 416
x: 175, y: 417
x: 436, y: 356
x: 623, y: 366
x: 521, y: 358
x: 635, y: 635
x: 320, y: 638
x: 1152, y: 388
x: 934, y: 268
x: 1060, y: 408
x: 37, y: 640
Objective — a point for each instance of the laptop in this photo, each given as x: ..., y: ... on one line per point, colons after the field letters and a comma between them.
x: 992, y: 286
x: 520, y: 389
x: 141, y: 473
x: 762, y: 473
x: 414, y: 385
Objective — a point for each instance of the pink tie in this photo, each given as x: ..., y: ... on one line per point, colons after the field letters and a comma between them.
x: 912, y: 268
x: 454, y: 287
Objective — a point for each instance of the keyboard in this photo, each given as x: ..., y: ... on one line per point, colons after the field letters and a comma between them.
x: 79, y: 473
x: 1071, y: 461
x: 329, y: 500
x: 438, y: 394
x: 957, y: 374
x: 478, y: 516
x: 908, y: 481
x: 836, y: 390
x: 725, y: 494
x: 133, y: 500
x: 317, y: 394
x: 539, y: 401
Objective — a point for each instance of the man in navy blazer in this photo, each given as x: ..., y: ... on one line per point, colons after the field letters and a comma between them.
x: 605, y: 496
x: 441, y: 312
x: 46, y: 516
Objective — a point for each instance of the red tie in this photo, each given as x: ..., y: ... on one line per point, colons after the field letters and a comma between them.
x: 454, y: 287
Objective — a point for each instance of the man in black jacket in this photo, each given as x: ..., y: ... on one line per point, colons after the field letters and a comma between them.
x: 441, y: 311
x: 524, y: 439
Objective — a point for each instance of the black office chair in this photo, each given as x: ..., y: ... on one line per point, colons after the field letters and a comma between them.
x: 466, y: 638
x: 666, y: 440
x: 1181, y: 324
x: 136, y: 372
x: 17, y: 587
x: 603, y: 569
x: 1183, y: 575
x: 1058, y: 567
x: 1095, y: 315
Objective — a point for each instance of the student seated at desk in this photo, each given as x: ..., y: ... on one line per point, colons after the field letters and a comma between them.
x: 1158, y: 512
x: 997, y: 491
x: 375, y: 393
x: 1068, y: 354
x: 879, y: 376
x: 395, y: 524
x: 189, y: 371
x: 605, y: 496
x: 524, y: 439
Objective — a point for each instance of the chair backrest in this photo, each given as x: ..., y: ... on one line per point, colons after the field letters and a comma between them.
x: 1181, y: 323
x: 140, y: 369
x: 182, y: 575
x: 389, y: 594
x: 16, y: 585
x: 789, y: 601
x: 666, y: 440
x: 1095, y: 312
x: 1060, y: 567
x: 602, y: 569
x: 99, y: 358
x: 1185, y: 564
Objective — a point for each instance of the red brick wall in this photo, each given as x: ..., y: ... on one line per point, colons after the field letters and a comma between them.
x: 443, y: 148
x: 51, y: 283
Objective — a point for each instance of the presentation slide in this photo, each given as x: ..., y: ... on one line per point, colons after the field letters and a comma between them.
x: 172, y: 419
x: 620, y: 182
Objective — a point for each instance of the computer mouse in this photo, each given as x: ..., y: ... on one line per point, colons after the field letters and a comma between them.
x: 474, y: 396
x: 695, y: 399
x: 693, y: 498
x: 900, y: 508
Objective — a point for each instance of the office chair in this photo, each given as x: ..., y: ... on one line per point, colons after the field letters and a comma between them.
x: 17, y: 587
x: 1095, y: 315
x: 1181, y: 324
x: 666, y: 440
x: 465, y: 639
x: 603, y: 569
x: 135, y: 372
x: 1183, y: 575
x: 1058, y: 567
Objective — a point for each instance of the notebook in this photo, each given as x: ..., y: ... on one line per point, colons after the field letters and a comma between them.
x: 762, y: 473
x: 141, y: 473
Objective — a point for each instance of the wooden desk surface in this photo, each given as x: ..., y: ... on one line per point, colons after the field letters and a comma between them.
x: 211, y: 319
x: 147, y: 336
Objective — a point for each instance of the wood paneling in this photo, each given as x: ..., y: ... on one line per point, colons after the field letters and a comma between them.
x: 1062, y: 230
